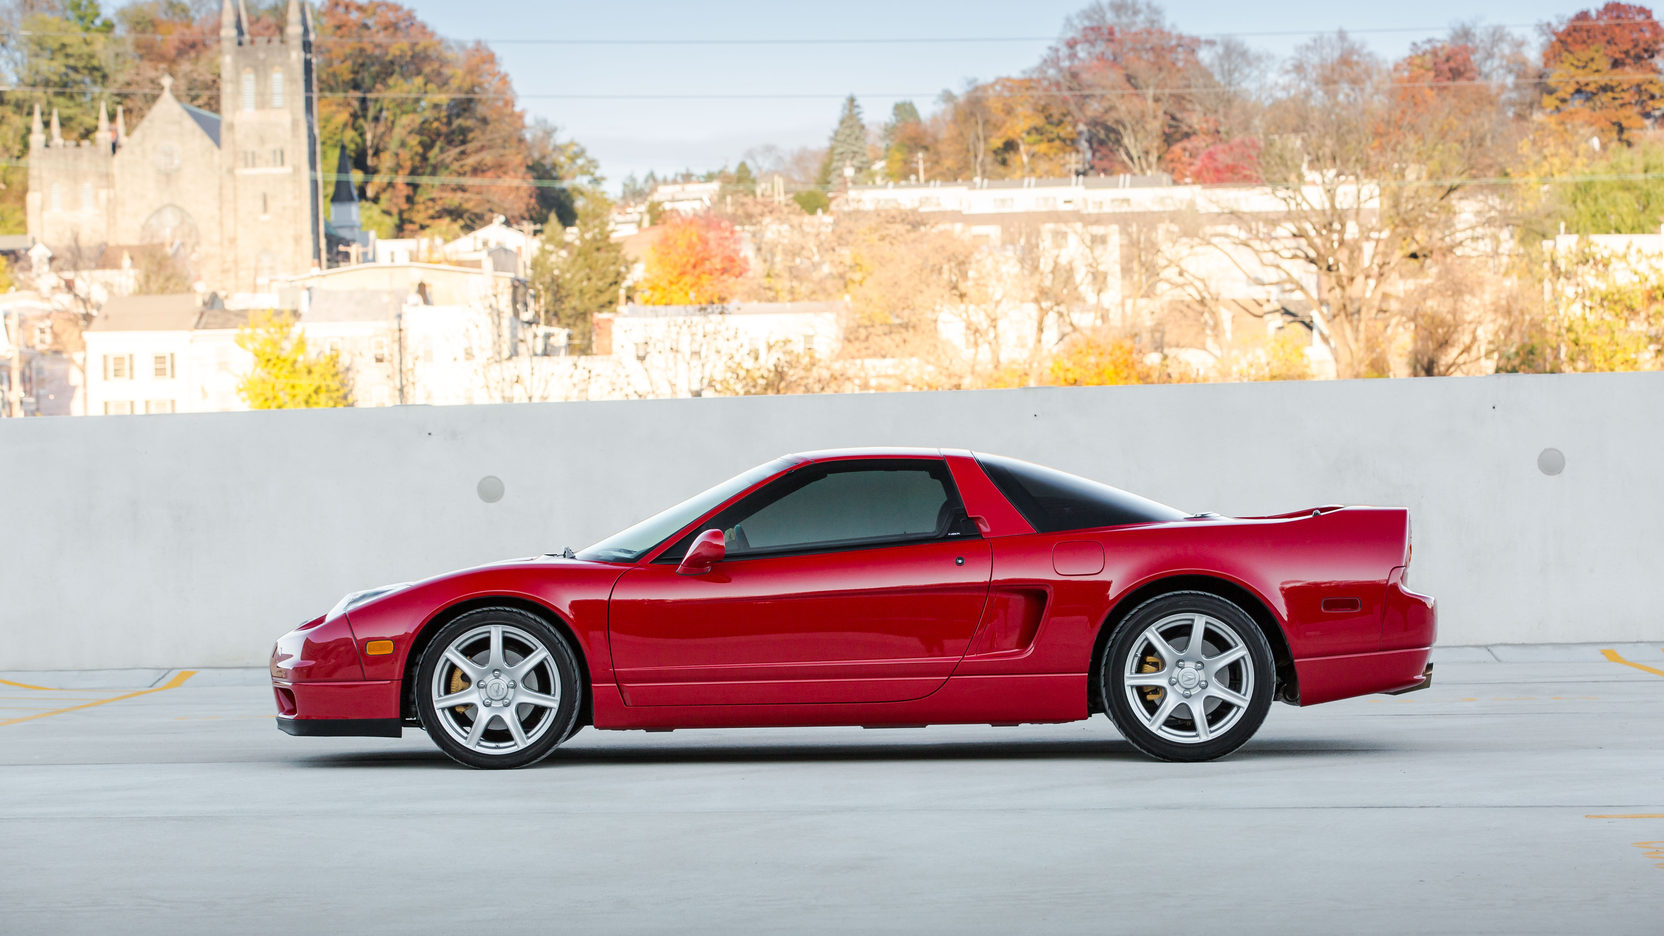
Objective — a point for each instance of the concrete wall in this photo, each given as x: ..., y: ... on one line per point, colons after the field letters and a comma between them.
x: 194, y: 540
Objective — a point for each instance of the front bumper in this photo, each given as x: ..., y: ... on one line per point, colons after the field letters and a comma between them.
x: 341, y: 727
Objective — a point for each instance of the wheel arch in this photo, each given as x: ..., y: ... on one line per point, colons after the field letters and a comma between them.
x: 1288, y: 684
x: 424, y: 636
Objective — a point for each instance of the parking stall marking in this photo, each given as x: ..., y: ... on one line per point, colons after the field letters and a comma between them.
x: 1614, y: 657
x: 178, y: 680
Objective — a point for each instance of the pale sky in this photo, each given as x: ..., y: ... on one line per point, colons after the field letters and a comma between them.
x: 635, y: 135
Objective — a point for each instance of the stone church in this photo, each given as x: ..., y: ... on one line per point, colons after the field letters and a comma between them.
x: 233, y: 196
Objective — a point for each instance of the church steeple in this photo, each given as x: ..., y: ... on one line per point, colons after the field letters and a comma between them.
x: 103, y: 137
x: 37, y: 134
x: 232, y: 27
x: 57, y: 131
x: 121, y: 127
x: 295, y: 23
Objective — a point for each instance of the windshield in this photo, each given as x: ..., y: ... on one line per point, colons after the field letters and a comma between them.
x: 633, y: 543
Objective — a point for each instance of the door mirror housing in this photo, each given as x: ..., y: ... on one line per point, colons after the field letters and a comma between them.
x: 707, y: 550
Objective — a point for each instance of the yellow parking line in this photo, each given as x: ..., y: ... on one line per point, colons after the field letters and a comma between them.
x: 174, y: 683
x: 1613, y: 656
x: 24, y: 685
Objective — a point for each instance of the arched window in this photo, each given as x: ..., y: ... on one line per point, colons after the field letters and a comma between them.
x: 277, y: 87
x: 248, y: 89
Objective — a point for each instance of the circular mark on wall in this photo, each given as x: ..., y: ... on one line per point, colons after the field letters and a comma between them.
x: 1550, y: 461
x: 490, y: 489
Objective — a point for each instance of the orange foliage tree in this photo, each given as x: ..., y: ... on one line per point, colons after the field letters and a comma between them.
x: 1602, y: 69
x: 432, y: 124
x: 1092, y: 360
x: 695, y: 261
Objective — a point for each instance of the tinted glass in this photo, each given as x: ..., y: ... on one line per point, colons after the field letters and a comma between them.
x: 822, y: 508
x: 1053, y: 500
x: 635, y: 542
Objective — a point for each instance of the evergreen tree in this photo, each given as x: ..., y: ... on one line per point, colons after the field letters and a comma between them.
x: 902, y: 114
x: 743, y: 175
x: 580, y: 278
x: 849, y: 143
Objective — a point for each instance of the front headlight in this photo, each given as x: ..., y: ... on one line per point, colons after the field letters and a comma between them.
x: 359, y: 598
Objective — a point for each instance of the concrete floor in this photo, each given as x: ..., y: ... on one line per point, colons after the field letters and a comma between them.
x: 1471, y: 807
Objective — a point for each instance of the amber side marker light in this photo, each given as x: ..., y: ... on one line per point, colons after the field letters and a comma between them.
x: 378, y: 647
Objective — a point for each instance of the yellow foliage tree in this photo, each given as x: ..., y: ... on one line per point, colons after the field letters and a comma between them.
x: 1092, y: 360
x: 284, y: 376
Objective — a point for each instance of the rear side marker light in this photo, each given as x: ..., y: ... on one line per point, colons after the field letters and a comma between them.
x: 1342, y: 605
x: 378, y: 648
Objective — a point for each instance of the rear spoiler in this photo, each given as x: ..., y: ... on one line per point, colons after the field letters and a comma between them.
x: 1308, y: 512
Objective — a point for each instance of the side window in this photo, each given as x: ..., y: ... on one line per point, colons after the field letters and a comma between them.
x: 824, y: 508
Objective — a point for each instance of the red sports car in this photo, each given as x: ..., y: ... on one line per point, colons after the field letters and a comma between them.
x: 880, y: 587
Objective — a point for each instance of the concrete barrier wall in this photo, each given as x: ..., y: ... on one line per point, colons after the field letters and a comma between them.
x: 194, y: 540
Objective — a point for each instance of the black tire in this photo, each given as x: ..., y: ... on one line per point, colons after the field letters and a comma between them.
x: 1227, y: 724
x: 496, y: 747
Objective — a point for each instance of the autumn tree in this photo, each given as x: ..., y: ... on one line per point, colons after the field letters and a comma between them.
x: 696, y: 260
x: 1373, y: 184
x: 1601, y: 70
x: 284, y: 375
x: 579, y: 276
x: 432, y: 125
x: 1134, y: 88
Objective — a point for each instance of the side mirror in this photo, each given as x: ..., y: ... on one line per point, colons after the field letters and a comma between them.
x: 707, y: 550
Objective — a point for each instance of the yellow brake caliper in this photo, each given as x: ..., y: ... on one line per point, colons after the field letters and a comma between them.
x: 458, y: 683
x: 1151, y: 664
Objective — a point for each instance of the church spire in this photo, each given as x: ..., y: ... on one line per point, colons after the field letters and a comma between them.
x: 37, y: 135
x: 294, y: 23
x: 57, y: 131
x: 345, y: 193
x: 121, y: 126
x: 102, y: 138
x: 231, y: 27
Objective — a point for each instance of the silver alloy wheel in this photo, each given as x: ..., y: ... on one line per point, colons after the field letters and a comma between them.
x: 1194, y: 694
x: 496, y: 690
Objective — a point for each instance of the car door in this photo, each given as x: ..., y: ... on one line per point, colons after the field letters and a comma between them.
x: 857, y: 580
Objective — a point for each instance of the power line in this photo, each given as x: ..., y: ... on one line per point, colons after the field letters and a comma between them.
x: 1387, y: 84
x: 213, y: 36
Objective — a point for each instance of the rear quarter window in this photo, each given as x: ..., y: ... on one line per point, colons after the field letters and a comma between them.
x: 1053, y: 501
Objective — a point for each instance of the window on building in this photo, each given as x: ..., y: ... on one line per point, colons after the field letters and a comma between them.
x: 118, y: 367
x: 158, y: 406
x: 86, y: 196
x: 250, y: 161
x: 248, y: 89
x: 277, y: 87
x: 378, y: 348
x: 57, y: 198
x: 162, y: 366
x: 265, y: 204
x: 277, y: 156
x: 118, y: 407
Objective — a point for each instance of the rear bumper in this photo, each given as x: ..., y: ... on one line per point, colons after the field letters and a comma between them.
x: 1325, y: 679
x: 341, y: 727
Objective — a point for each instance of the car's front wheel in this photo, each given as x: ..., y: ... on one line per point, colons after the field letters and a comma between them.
x: 1187, y: 676
x: 498, y: 687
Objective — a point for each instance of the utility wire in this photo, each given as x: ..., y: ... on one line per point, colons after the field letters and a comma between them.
x: 213, y: 36
x: 1386, y: 84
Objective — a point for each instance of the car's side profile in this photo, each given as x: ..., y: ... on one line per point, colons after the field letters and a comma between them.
x: 880, y: 587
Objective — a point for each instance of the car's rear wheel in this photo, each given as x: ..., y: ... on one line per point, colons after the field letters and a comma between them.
x: 1187, y: 676
x: 498, y: 687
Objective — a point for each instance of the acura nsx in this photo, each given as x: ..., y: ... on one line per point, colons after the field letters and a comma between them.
x: 880, y: 588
